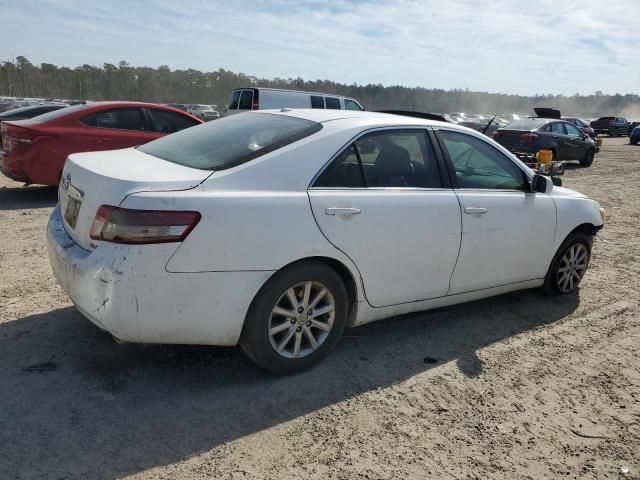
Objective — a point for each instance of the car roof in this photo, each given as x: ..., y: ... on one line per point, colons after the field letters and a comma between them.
x: 354, y: 116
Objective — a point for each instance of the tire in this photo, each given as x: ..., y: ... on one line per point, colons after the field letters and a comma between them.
x: 588, y: 158
x: 577, y: 245
x: 291, y: 334
x: 633, y: 141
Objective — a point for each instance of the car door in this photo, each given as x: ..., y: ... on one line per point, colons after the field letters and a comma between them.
x: 508, y: 232
x: 166, y: 121
x: 117, y: 128
x: 576, y: 146
x: 383, y: 202
x: 560, y: 138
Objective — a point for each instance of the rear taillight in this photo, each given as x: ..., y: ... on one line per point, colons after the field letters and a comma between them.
x: 496, y: 135
x: 529, y: 137
x: 123, y: 225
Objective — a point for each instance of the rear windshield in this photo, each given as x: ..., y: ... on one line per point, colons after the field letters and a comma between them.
x: 526, y: 124
x: 60, y: 113
x: 230, y: 141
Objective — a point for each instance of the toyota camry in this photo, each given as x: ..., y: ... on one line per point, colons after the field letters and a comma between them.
x: 275, y: 230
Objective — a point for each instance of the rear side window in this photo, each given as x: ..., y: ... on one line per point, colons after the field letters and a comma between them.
x: 120, y: 119
x: 332, y: 102
x: 235, y: 99
x: 246, y: 99
x: 388, y: 158
x: 170, y: 122
x: 230, y: 141
x: 558, y: 128
x: 317, y: 102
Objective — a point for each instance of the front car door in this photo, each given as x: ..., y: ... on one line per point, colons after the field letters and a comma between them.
x: 575, y: 142
x: 507, y: 231
x: 560, y: 138
x: 384, y: 202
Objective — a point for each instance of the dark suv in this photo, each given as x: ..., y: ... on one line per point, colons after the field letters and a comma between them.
x: 612, y: 126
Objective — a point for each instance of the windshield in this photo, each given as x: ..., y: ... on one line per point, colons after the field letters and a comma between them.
x: 526, y: 124
x: 230, y: 141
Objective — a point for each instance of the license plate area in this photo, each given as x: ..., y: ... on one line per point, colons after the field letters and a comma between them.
x: 74, y: 202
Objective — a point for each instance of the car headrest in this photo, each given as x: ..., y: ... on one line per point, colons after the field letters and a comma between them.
x: 393, y: 161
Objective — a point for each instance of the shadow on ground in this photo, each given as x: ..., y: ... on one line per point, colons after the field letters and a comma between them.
x: 109, y: 410
x: 14, y: 198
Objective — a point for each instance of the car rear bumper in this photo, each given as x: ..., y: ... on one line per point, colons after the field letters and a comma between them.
x: 11, y: 169
x: 126, y: 291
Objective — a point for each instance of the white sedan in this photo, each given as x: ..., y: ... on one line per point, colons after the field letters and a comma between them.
x: 275, y: 230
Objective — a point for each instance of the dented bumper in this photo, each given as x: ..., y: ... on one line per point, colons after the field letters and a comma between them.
x: 126, y: 290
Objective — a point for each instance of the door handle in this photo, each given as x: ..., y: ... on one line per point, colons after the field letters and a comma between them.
x: 102, y: 140
x: 342, y: 211
x: 475, y: 210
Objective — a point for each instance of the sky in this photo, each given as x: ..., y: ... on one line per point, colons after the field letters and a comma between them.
x: 516, y: 47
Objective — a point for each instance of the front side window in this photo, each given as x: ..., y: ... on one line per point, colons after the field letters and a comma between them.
x: 572, y: 131
x: 170, y: 122
x: 231, y: 140
x: 235, y: 99
x: 478, y: 165
x: 388, y: 159
x: 246, y: 99
x: 351, y: 105
x: 120, y: 119
x: 332, y: 102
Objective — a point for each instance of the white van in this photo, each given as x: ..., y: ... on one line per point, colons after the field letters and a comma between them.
x: 243, y: 99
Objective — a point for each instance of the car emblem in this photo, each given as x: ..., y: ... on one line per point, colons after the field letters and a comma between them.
x: 66, y: 181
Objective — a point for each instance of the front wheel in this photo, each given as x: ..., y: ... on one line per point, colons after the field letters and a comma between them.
x: 569, y: 265
x: 296, y: 318
x: 588, y: 158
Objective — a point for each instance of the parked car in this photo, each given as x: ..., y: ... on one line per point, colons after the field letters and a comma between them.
x: 203, y: 112
x: 582, y: 125
x: 243, y: 99
x: 634, y: 137
x: 35, y: 150
x: 268, y: 251
x: 527, y: 136
x: 26, y: 113
x: 612, y: 126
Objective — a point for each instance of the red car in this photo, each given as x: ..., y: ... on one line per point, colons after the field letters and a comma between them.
x: 34, y: 151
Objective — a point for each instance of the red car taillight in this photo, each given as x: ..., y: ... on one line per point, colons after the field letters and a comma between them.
x: 529, y: 137
x: 123, y: 225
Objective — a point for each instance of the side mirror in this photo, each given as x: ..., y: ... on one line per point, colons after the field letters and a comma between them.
x: 541, y: 184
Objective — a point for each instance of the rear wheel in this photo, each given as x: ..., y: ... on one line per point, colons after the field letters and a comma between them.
x: 569, y: 265
x: 588, y: 158
x: 296, y: 318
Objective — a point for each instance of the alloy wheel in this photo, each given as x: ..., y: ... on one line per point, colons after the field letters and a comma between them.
x: 301, y: 319
x: 572, y: 266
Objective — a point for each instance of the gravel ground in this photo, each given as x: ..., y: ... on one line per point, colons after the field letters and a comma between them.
x: 518, y: 386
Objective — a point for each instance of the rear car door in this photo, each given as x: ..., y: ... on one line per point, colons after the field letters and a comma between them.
x: 560, y: 138
x: 383, y: 202
x: 117, y: 128
x: 507, y: 231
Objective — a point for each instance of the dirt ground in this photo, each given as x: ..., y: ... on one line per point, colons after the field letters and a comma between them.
x: 518, y: 386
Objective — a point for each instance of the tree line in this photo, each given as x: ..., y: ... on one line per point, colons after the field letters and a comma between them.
x: 21, y: 78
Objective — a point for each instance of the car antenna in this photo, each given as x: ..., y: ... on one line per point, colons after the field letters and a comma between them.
x: 490, y: 121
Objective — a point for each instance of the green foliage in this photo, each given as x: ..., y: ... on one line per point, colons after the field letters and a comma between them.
x: 124, y: 82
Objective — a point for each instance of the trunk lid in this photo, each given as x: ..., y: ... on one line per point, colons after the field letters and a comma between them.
x: 92, y: 179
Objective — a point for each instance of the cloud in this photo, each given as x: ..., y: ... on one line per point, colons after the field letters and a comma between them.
x: 498, y: 46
